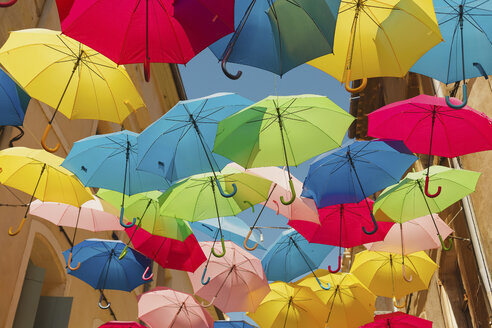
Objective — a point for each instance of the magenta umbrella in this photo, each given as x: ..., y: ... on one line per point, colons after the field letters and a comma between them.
x: 398, y: 320
x: 163, y: 307
x: 236, y: 283
x: 341, y: 225
x: 428, y: 126
x: 122, y: 324
x: 144, y: 31
x: 184, y: 255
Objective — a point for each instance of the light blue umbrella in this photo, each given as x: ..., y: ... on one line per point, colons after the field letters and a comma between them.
x: 13, y: 101
x: 232, y: 324
x: 358, y: 169
x: 101, y: 268
x: 109, y: 161
x: 278, y: 35
x: 291, y: 256
x: 180, y: 143
x: 466, y: 27
x: 233, y: 229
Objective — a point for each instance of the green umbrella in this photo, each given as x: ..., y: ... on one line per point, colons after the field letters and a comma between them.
x: 195, y: 198
x: 406, y: 200
x: 145, y: 207
x: 280, y: 131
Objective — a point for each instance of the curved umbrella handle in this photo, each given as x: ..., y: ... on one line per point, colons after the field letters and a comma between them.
x: 321, y: 284
x: 123, y: 253
x: 224, y: 68
x: 13, y: 233
x: 144, y: 275
x: 146, y: 66
x: 250, y: 204
x: 222, y: 191
x: 223, y: 249
x: 278, y: 207
x: 426, y: 189
x: 339, y: 265
x: 354, y: 90
x: 123, y: 224
x: 43, y: 140
x: 446, y: 248
x: 245, y: 243
x: 463, y: 104
x: 375, y: 226
x: 209, y: 304
x: 292, y: 198
x: 203, y: 277
x: 404, y: 274
x: 69, y: 262
x: 104, y: 307
x: 398, y: 306
x: 7, y: 4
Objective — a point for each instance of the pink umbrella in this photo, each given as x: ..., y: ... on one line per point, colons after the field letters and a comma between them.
x: 184, y: 255
x: 237, y: 282
x: 301, y: 209
x: 164, y: 31
x: 341, y: 225
x: 164, y: 308
x: 121, y: 324
x: 398, y: 320
x: 428, y: 126
x: 94, y: 215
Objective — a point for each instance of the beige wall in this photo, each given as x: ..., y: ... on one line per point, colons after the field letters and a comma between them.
x: 43, y: 242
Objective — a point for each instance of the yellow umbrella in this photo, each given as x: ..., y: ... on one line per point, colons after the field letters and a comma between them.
x: 379, y: 38
x: 69, y: 76
x: 350, y: 304
x: 38, y: 173
x: 384, y: 273
x: 290, y: 306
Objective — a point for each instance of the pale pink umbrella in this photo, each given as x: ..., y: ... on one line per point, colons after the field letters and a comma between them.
x: 412, y: 236
x: 94, y: 215
x: 163, y: 307
x: 236, y: 282
x: 301, y: 209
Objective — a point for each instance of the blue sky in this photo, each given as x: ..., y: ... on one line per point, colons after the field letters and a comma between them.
x: 203, y: 76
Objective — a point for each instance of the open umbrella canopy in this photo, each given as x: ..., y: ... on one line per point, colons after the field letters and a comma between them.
x: 291, y: 256
x: 13, y: 101
x: 232, y: 324
x: 379, y: 38
x: 384, y: 274
x: 280, y: 35
x: 398, y: 320
x: 166, y: 308
x: 101, y: 268
x: 350, y: 304
x: 235, y: 282
x: 180, y: 143
x: 290, y: 306
x: 428, y: 125
x: 122, y: 324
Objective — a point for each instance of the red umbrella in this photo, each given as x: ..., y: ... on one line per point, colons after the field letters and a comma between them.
x: 144, y: 31
x: 122, y: 324
x: 184, y: 255
x: 341, y: 225
x: 398, y: 320
x: 428, y: 126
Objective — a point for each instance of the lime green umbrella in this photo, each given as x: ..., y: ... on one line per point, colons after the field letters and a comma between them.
x: 145, y: 207
x: 406, y: 200
x: 280, y: 131
x: 195, y: 198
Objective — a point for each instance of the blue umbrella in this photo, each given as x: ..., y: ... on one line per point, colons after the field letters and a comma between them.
x: 13, y: 101
x: 232, y: 324
x: 180, y: 143
x: 101, y: 268
x: 109, y: 161
x: 278, y: 35
x: 466, y: 27
x: 358, y: 169
x: 233, y: 229
x: 291, y: 255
